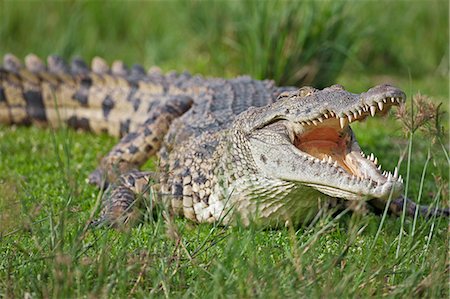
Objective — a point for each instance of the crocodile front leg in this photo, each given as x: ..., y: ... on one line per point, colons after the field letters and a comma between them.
x: 135, y: 148
x: 123, y: 200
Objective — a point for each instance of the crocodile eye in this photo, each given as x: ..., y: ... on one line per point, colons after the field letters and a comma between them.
x: 306, y: 91
x: 284, y: 94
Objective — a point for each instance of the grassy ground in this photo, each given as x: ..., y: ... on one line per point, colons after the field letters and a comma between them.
x: 46, y: 249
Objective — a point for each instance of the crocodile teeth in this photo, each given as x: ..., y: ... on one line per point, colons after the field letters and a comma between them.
x: 372, y: 157
x: 342, y: 122
x: 389, y: 176
x: 379, y: 167
x: 314, y: 122
x: 380, y: 105
x: 392, y: 100
x: 330, y: 160
x: 355, y: 114
x: 360, y: 111
x: 373, y: 110
x: 349, y: 118
x: 320, y: 119
x: 335, y: 164
x: 326, y: 115
x: 400, y: 179
x: 384, y: 100
x: 395, y: 173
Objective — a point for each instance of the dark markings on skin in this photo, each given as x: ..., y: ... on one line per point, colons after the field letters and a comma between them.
x: 148, y: 148
x: 201, y: 179
x: 177, y: 190
x: 124, y: 127
x: 133, y: 149
x: 151, y: 120
x: 129, y: 137
x: 176, y: 164
x: 131, y: 180
x: 78, y: 67
x: 86, y: 82
x: 35, y: 105
x: 151, y: 105
x: 263, y: 159
x: 2, y: 95
x: 81, y: 96
x: 137, y: 71
x: 79, y: 123
x: 136, y: 104
x: 186, y: 172
x: 107, y: 106
x: 278, y: 162
x: 169, y: 109
x: 148, y: 132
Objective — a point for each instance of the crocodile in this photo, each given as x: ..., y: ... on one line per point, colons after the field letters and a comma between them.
x: 229, y: 149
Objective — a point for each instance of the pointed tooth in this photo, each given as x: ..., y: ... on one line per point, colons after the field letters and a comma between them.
x: 379, y: 167
x: 375, y: 161
x: 342, y: 122
x: 320, y: 119
x: 360, y: 111
x: 335, y: 164
x: 371, y: 157
x: 397, y: 100
x: 400, y: 179
x: 392, y: 99
x: 355, y: 114
x: 326, y: 115
x: 380, y: 106
x: 330, y: 160
x: 314, y: 122
x: 308, y: 122
x: 395, y: 172
x: 384, y: 100
x: 389, y: 176
x: 373, y: 110
x: 350, y: 117
x: 316, y: 160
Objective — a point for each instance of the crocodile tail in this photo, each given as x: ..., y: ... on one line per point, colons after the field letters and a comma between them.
x: 99, y: 99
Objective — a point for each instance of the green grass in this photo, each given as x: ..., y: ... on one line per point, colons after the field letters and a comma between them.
x: 46, y: 249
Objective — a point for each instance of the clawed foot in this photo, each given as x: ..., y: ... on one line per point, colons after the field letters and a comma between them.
x: 121, y: 200
x: 98, y: 178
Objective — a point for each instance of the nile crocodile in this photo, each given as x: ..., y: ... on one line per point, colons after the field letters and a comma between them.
x: 228, y: 149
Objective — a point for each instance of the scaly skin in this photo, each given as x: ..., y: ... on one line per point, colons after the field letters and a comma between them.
x: 228, y: 149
